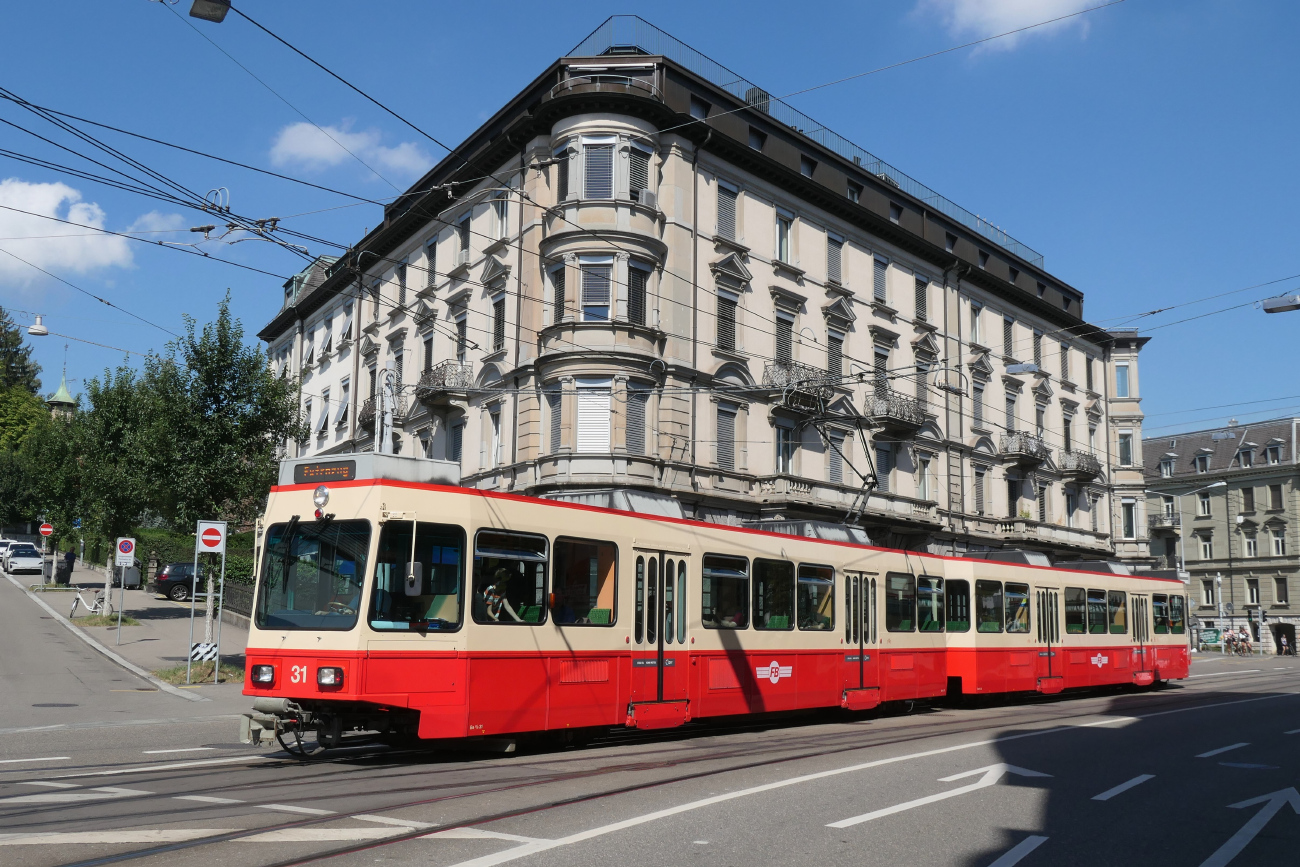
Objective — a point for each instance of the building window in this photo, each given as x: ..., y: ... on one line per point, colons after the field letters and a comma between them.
x: 322, y: 427
x: 1167, y: 505
x: 1279, y: 542
x: 1126, y: 448
x: 427, y: 347
x: 1067, y: 428
x: 1065, y: 361
x: 1038, y: 348
x: 1248, y: 499
x: 1093, y: 511
x: 638, y: 171
x: 784, y: 227
x: 1207, y: 547
x: 372, y: 378
x: 1040, y: 419
x: 807, y: 165
x: 834, y: 355
x: 785, y: 446
x: 949, y: 241
x: 1207, y: 592
x: 1252, y: 546
x: 1252, y: 591
x: 880, y: 371
x: 1071, y: 505
x: 455, y: 441
x: 895, y: 212
x: 727, y: 211
x: 835, y: 459
x: 727, y: 304
x: 1281, y: 595
x: 1273, y: 454
x: 557, y: 292
x: 374, y: 300
x: 699, y: 108
x: 1274, y: 497
x: 981, y: 475
x: 834, y: 258
x: 1042, y: 289
x: 784, y: 339
x: 1042, y: 504
x: 1121, y: 380
x: 1008, y: 337
x: 884, y: 467
x: 555, y: 408
x: 1203, y: 504
x: 924, y: 480
x: 637, y: 400
x: 638, y: 278
x: 726, y: 444
x: 1013, y: 497
x: 399, y: 362
x: 977, y: 406
x: 462, y: 338
x: 462, y: 235
x: 757, y: 138
x: 562, y: 173
x: 922, y: 389
x: 922, y: 299
x: 983, y: 259
x: 1013, y: 274
x: 879, y: 271
x: 499, y: 323
x: 500, y: 215
x: 1011, y: 412
x: 596, y: 273
x: 1166, y: 468
x: 593, y: 414
x: 1246, y: 458
x: 1087, y: 372
x: 401, y: 284
x: 598, y: 169
x: 1128, y: 508
x: 976, y: 333
x: 341, y: 415
x: 494, y: 456
x: 854, y: 192
x: 1202, y: 463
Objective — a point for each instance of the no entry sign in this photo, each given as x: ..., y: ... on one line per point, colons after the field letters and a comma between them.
x: 47, y: 529
x: 210, y: 537
x: 125, y: 552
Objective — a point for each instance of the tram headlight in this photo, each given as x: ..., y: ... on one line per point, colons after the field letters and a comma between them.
x: 263, y: 673
x: 332, y: 677
x: 321, y: 496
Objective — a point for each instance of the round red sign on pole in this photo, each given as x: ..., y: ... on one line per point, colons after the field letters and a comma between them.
x: 125, y: 546
x: 211, y: 537
x: 47, y: 529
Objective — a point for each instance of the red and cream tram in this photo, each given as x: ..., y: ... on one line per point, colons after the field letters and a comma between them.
x: 387, y: 603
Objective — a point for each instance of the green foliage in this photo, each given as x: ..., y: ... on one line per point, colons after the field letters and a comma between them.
x: 20, y: 410
x: 17, y: 370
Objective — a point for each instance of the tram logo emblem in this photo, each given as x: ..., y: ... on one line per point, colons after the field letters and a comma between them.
x: 774, y: 671
x: 1100, y: 660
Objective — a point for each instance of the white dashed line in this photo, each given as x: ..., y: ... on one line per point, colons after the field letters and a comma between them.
x: 1221, y: 750
x: 50, y: 785
x: 1222, y: 673
x: 481, y: 834
x: 184, y: 750
x: 404, y: 823
x: 1292, y: 732
x: 1019, y: 851
x: 43, y: 759
x: 170, y: 766
x: 143, y: 835
x: 97, y: 794
x: 290, y: 808
x: 319, y: 835
x: 208, y: 799
x: 1123, y: 787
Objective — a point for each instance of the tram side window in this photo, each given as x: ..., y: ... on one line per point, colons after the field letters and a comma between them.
x: 929, y: 603
x: 724, y: 592
x: 312, y: 575
x: 816, y: 597
x: 1117, y: 611
x: 900, y: 602
x: 988, y: 606
x: 773, y: 594
x: 421, y: 594
x: 1017, y: 607
x: 582, y: 582
x: 509, y: 578
x: 1177, y: 621
x: 1075, y: 606
x: 1097, y: 612
x: 1160, y: 613
x: 957, y: 602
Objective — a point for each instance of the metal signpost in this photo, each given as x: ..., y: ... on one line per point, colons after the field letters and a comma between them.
x: 125, y: 560
x: 209, y: 538
x: 46, y: 530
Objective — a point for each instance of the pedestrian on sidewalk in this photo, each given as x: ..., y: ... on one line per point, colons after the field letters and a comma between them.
x: 1285, y: 652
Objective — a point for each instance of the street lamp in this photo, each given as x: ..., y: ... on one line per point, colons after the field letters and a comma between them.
x: 210, y: 10
x: 1027, y: 367
x: 1282, y: 303
x: 37, y: 329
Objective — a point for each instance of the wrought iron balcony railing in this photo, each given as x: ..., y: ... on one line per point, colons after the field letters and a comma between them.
x: 443, y: 377
x: 792, y: 374
x: 1025, y: 447
x: 366, y: 415
x: 894, y: 410
x: 1164, y: 522
x: 1083, y: 466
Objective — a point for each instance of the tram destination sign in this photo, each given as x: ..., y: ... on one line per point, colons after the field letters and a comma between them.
x: 332, y: 471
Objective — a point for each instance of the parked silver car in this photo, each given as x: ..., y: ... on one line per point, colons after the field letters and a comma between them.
x: 23, y: 557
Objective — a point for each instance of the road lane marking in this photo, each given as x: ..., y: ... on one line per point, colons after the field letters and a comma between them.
x: 387, y: 820
x: 184, y: 750
x: 319, y: 835
x: 1019, y: 851
x: 1222, y: 750
x: 1107, y: 722
x: 992, y: 774
x: 1292, y: 732
x: 1272, y: 805
x: 482, y: 834
x: 208, y: 799
x: 42, y: 759
x: 290, y: 808
x: 97, y: 794
x: 1248, y: 766
x: 50, y: 785
x: 1222, y: 673
x: 170, y: 766
x: 1123, y: 787
x: 142, y: 835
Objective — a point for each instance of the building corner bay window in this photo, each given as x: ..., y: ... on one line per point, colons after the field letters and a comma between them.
x: 596, y: 282
x: 312, y: 575
x: 724, y: 592
x: 594, y: 395
x: 900, y: 602
x: 773, y: 594
x: 598, y: 167
x: 509, y: 578
x: 582, y: 589
x: 424, y: 593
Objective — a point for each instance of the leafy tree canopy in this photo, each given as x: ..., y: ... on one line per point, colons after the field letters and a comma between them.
x: 16, y: 366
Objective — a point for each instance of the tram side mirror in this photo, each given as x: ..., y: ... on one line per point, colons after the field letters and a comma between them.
x: 414, y: 578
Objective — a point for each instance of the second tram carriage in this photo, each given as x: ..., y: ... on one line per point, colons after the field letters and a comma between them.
x: 392, y: 604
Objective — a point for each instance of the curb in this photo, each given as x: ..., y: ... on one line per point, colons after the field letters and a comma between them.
x: 129, y: 666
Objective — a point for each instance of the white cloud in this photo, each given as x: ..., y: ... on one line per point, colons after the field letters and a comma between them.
x: 304, y: 146
x: 156, y: 221
x: 981, y: 18
x: 58, y: 247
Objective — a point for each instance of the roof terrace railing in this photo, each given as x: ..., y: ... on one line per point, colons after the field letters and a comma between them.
x: 628, y: 34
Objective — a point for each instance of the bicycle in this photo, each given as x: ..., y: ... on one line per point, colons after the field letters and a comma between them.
x: 101, y: 605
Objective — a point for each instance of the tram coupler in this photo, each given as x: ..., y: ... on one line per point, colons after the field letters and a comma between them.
x: 270, y: 718
x: 860, y: 699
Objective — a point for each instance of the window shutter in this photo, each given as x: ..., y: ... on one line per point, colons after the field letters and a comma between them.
x: 593, y: 419
x: 499, y: 323
x: 599, y: 171
x: 323, y: 424
x: 636, y: 286
x: 454, y: 442
x: 554, y: 403
x: 1038, y: 348
x: 428, y: 353
x: 979, y: 492
x: 884, y: 465
x: 834, y: 356
x: 834, y: 259
x: 922, y: 392
x: 784, y: 340
x: 1065, y: 361
x: 726, y: 212
x: 880, y: 269
x: 595, y: 292
x: 557, y: 281
x: 977, y: 407
x: 398, y: 361
x: 1008, y: 341
x: 638, y: 171
x: 401, y: 285
x: 835, y: 460
x: 346, y: 331
x: 922, y: 300
x: 562, y: 176
x: 1087, y: 367
x: 342, y: 415
x: 462, y: 338
x: 726, y: 323
x: 881, y: 372
x: 636, y: 407
x: 1011, y: 415
x: 726, y: 438
x: 431, y: 261
x: 463, y: 232
x: 1042, y: 504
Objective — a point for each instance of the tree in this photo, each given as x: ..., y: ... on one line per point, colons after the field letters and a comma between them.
x: 20, y: 410
x: 111, y: 443
x: 16, y: 366
x: 219, y: 414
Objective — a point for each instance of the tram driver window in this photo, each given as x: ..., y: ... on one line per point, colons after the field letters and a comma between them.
x: 1177, y: 622
x: 900, y: 602
x: 724, y: 592
x: 816, y: 597
x: 988, y: 606
x: 509, y: 578
x: 929, y: 603
x: 582, y: 586
x: 773, y: 594
x: 1075, y: 619
x: 1117, y: 611
x: 1097, y: 612
x: 1017, y: 607
x: 956, y: 601
x: 1160, y: 613
x: 424, y: 593
x: 312, y: 575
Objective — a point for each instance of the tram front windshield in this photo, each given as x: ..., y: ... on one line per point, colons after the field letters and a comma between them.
x: 420, y: 593
x: 312, y: 575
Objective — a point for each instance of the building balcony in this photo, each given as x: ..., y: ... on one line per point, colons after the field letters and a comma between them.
x: 630, y: 85
x: 1035, y: 533
x: 444, y: 381
x: 366, y: 415
x: 803, y: 388
x: 1080, y: 467
x: 1025, y: 449
x: 1164, y: 522
x: 894, y: 413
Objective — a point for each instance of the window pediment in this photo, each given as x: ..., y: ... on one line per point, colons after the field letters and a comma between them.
x: 369, y: 346
x: 840, y: 313
x: 979, y: 366
x: 730, y: 269
x: 925, y: 344
x: 494, y: 270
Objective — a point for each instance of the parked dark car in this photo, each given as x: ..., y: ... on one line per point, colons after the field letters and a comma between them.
x: 175, y: 581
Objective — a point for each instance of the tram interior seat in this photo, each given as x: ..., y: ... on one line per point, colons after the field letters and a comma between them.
x: 530, y: 613
x: 778, y: 621
x: 444, y: 608
x: 599, y: 615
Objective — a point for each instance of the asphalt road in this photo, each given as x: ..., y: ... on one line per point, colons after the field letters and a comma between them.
x: 1200, y: 773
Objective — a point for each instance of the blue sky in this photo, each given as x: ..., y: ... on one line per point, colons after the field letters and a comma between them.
x: 1145, y: 149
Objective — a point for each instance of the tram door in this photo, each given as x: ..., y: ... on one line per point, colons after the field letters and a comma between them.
x: 861, y: 662
x: 1141, y: 615
x: 659, y: 640
x: 1048, y: 601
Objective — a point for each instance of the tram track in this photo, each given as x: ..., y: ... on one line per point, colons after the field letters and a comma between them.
x: 833, y: 743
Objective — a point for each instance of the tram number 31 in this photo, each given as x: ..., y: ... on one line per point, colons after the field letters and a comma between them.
x: 298, y: 674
